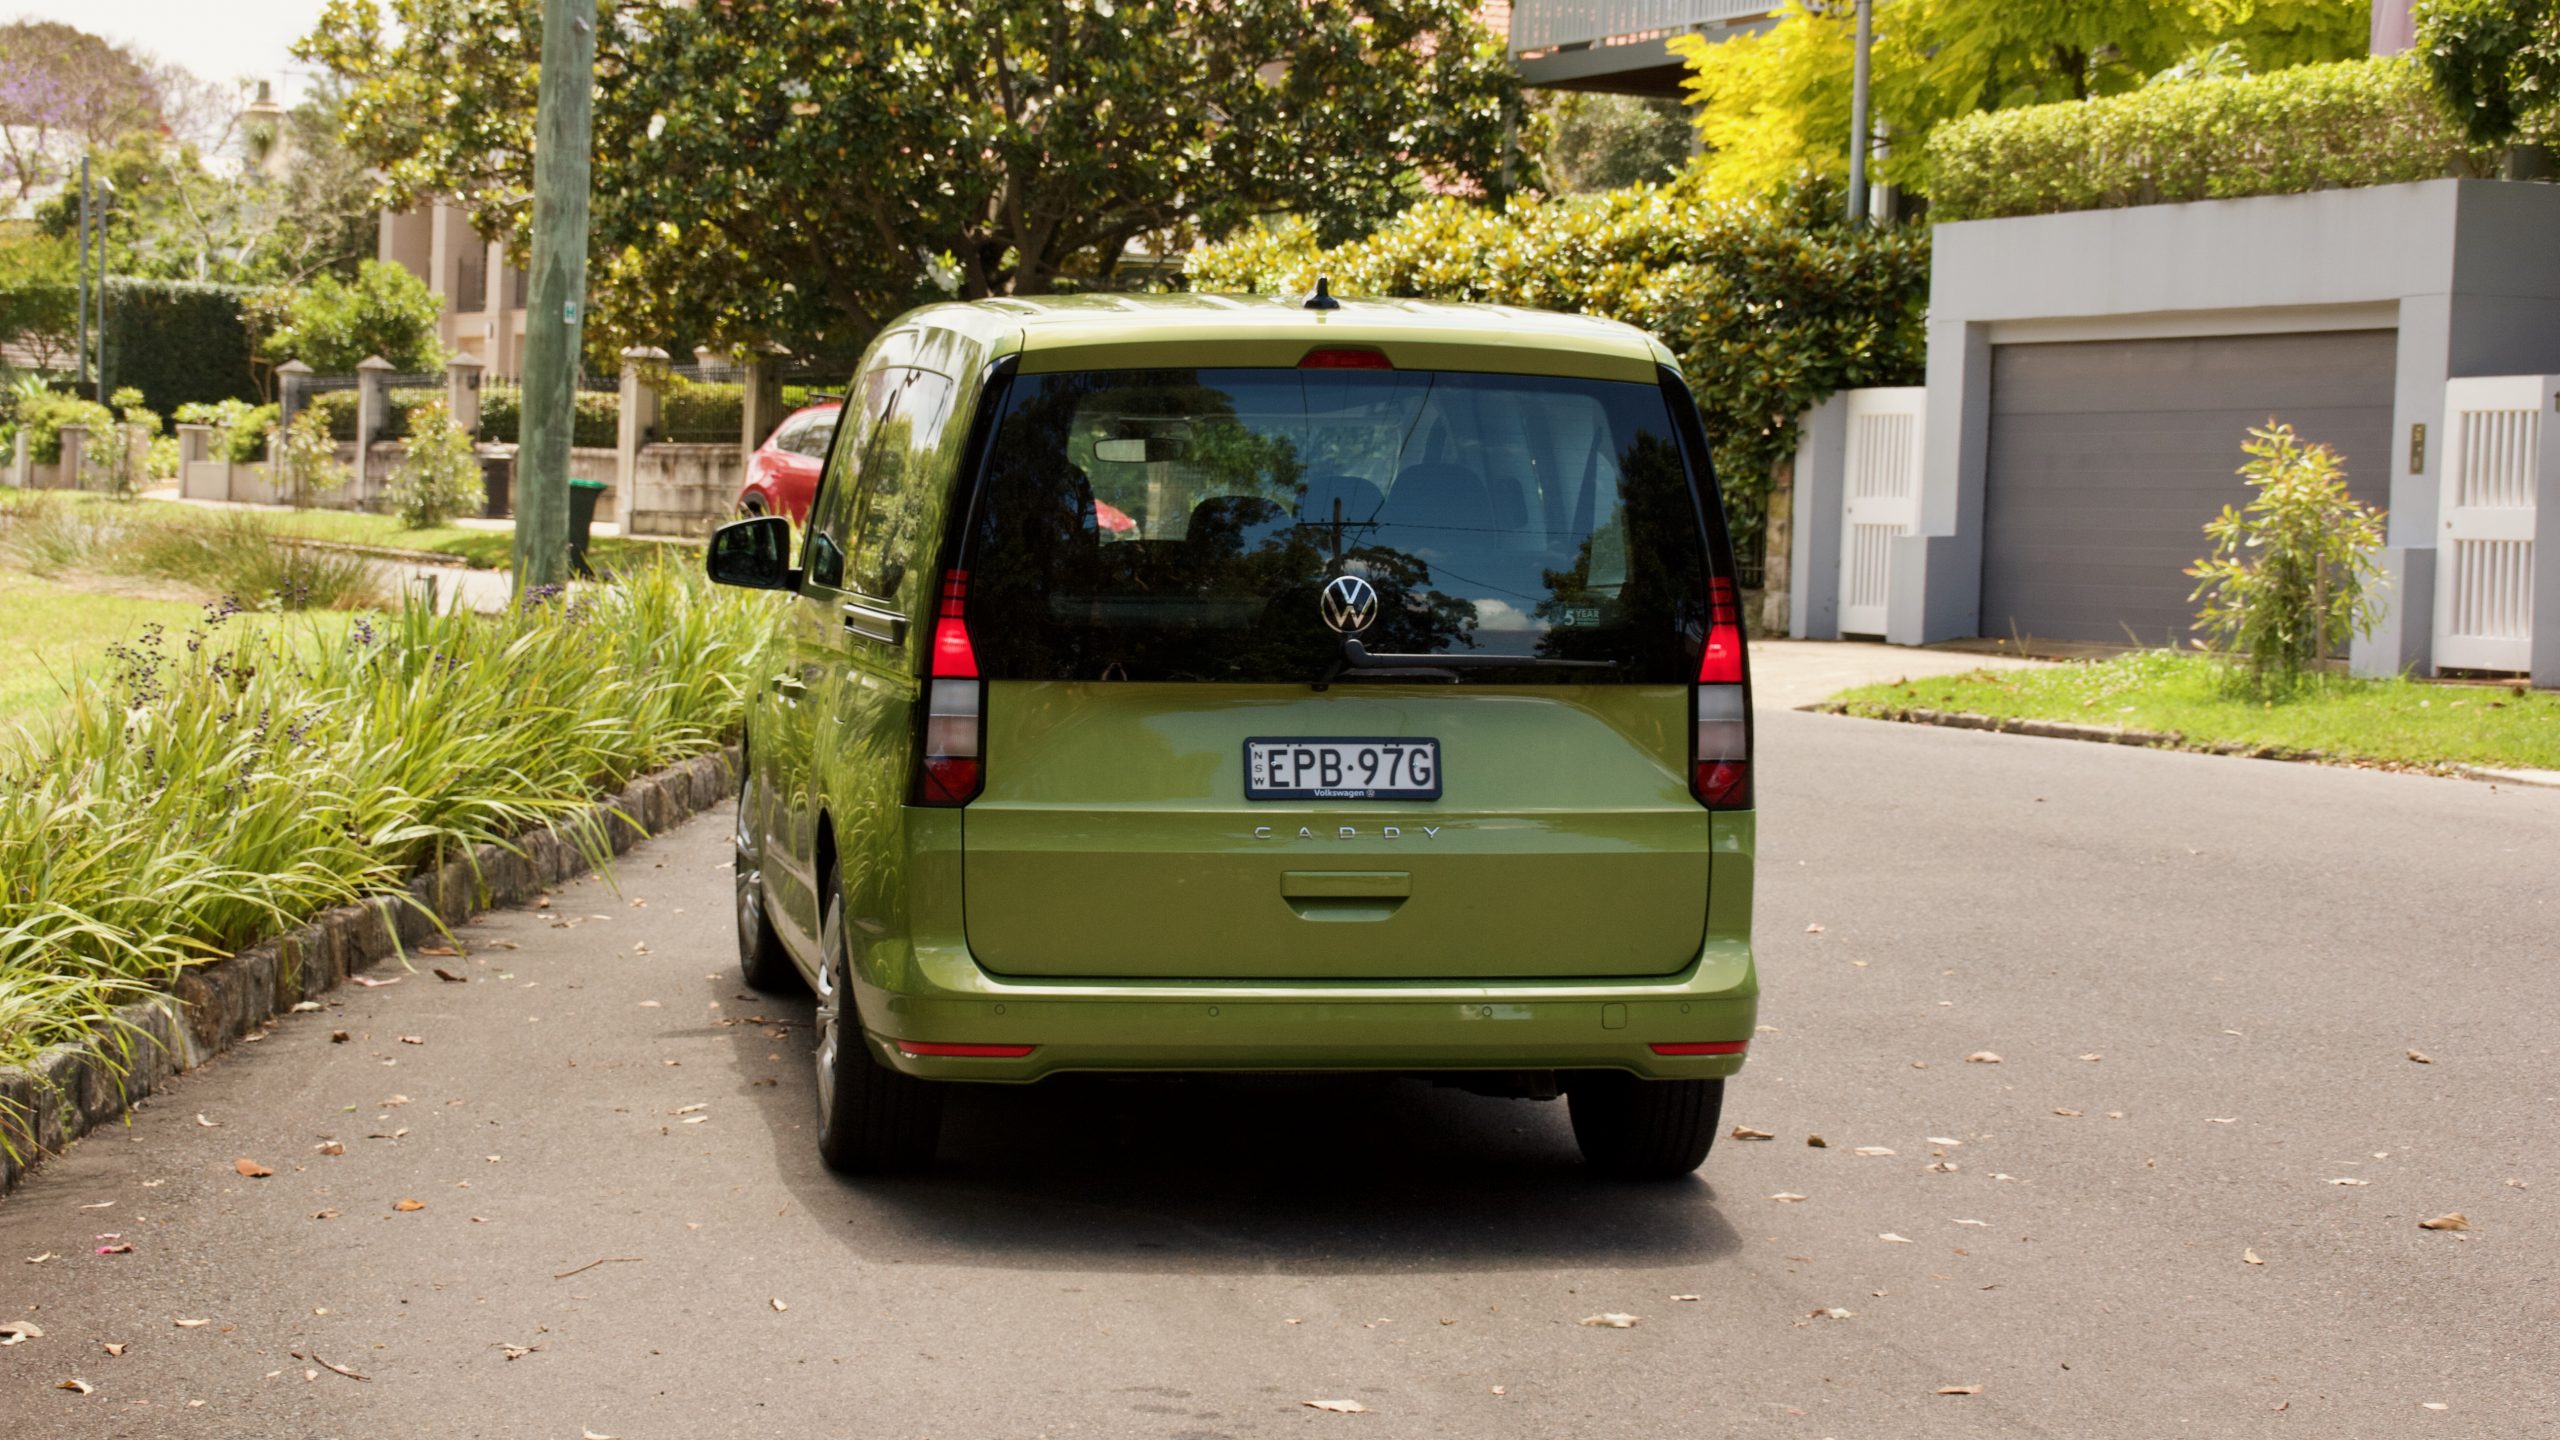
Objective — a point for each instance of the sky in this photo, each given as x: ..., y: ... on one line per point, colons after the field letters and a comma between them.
x: 217, y: 39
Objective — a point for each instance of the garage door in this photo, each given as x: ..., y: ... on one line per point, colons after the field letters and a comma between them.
x: 2107, y: 458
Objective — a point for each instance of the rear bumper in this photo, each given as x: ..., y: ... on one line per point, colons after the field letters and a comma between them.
x: 941, y: 996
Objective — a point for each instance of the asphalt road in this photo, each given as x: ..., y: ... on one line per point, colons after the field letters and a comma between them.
x: 2219, y: 965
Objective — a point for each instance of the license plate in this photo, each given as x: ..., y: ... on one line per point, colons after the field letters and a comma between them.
x: 1342, y: 769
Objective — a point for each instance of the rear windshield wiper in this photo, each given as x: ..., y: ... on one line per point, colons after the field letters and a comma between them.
x: 1356, y: 656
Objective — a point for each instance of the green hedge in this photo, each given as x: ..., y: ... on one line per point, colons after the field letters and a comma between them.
x: 1769, y: 312
x: 2315, y: 127
x: 702, y: 411
x: 598, y: 426
x: 43, y: 416
x: 241, y: 426
x: 178, y: 341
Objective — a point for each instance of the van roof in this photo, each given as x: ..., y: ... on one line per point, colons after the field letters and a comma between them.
x: 1060, y: 333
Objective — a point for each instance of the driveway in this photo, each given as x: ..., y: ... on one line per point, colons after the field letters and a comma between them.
x: 2202, y: 977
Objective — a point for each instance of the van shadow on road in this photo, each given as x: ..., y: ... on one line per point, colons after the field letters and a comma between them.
x: 1313, y: 1174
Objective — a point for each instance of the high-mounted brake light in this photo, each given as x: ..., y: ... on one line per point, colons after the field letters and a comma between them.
x: 1341, y: 358
x: 1720, y: 757
x: 952, y: 769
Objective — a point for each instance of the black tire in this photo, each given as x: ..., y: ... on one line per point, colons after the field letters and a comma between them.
x: 761, y: 959
x: 871, y: 1119
x: 751, y: 507
x: 1633, y: 1129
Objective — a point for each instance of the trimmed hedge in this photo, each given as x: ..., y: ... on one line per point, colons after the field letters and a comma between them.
x: 178, y: 341
x: 598, y: 426
x: 702, y: 411
x: 1768, y: 312
x: 43, y: 416
x: 2314, y: 127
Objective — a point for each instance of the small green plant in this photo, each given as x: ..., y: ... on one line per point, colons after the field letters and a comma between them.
x: 440, y: 478
x: 2295, y: 576
x: 309, y: 461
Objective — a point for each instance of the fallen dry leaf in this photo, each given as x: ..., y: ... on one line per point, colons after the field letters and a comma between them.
x: 304, y: 1007
x: 2345, y: 1180
x: 111, y: 1347
x: 1745, y: 1132
x: 1890, y: 1238
x: 2093, y: 1056
x: 371, y: 983
x: 408, y: 1205
x: 450, y: 978
x: 1684, y: 1297
x: 2452, y: 1220
x: 441, y: 952
x: 324, y: 1214
x: 1982, y: 1057
x: 75, y: 1384
x: 1959, y: 1389
x: 2422, y: 1057
x: 40, y: 1259
x: 1786, y: 1197
x: 330, y: 1147
x: 2066, y: 1114
x: 208, y: 1124
x: 1813, y: 929
x: 2250, y: 1257
x: 250, y: 1169
x: 1833, y: 1312
x: 118, y: 1249
x: 1949, y: 1141
x: 1871, y: 1150
x: 1985, y: 1224
x: 583, y: 1432
x: 778, y: 1306
x: 13, y: 1332
x: 695, y: 1109
x: 413, y: 1039
x: 2433, y: 1405
x: 1338, y: 1407
x: 1612, y: 1320
x: 339, y: 1037
x: 1817, y: 1142
x: 190, y: 1324
x: 500, y: 945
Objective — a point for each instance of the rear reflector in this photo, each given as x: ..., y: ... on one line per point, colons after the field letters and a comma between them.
x: 1702, y: 1047
x: 965, y: 1052
x: 1346, y: 359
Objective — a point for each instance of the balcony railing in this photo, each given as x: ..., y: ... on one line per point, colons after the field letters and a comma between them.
x: 1547, y: 24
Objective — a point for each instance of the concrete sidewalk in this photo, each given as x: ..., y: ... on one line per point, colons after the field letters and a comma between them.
x: 1791, y: 674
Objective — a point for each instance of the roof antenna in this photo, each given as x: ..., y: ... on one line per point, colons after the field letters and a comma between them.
x: 1323, y: 298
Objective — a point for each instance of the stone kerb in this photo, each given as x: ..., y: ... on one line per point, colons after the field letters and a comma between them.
x: 72, y: 1089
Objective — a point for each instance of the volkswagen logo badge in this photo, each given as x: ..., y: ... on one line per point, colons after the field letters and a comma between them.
x: 1350, y: 604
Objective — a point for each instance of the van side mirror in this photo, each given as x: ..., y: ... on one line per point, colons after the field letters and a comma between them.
x: 753, y: 554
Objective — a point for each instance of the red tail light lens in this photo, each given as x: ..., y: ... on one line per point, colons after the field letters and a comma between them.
x: 1346, y: 359
x: 1720, y: 753
x: 1702, y: 1047
x: 952, y: 770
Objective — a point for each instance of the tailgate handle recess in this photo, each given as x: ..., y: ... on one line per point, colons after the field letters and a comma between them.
x: 1346, y: 884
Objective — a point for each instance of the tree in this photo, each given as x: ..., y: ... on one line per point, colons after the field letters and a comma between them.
x: 333, y: 326
x: 1600, y: 142
x: 2496, y: 62
x: 62, y: 90
x: 39, y: 278
x: 800, y: 169
x: 1774, y: 105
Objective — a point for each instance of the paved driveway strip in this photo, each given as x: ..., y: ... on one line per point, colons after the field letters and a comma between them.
x: 2249, y: 950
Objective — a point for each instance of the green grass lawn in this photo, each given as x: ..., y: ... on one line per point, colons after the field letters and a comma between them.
x: 480, y: 549
x: 51, y: 630
x: 2397, y: 721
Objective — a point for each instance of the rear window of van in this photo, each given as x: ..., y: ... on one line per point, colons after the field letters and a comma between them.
x: 1183, y: 525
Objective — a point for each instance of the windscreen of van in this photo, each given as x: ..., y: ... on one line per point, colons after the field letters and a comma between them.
x: 1184, y: 525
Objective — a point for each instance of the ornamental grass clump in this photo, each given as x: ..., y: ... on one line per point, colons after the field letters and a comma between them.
x: 2294, y: 577
x: 212, y: 788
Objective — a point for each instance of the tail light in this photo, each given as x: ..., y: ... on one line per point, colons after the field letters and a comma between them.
x: 953, y: 768
x: 1720, y: 751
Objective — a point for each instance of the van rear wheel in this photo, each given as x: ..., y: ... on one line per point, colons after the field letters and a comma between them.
x: 871, y: 1119
x: 1635, y: 1129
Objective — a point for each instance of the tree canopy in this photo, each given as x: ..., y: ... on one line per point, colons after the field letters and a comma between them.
x: 799, y: 170
x: 2496, y: 62
x: 1775, y: 105
x: 63, y: 89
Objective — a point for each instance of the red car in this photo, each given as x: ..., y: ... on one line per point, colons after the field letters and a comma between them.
x: 782, y: 475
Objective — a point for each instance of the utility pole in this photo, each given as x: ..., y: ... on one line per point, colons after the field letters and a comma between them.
x: 1858, y: 113
x: 80, y: 349
x: 556, y: 307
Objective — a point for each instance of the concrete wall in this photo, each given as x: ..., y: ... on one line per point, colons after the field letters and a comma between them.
x: 684, y: 489
x: 2466, y: 271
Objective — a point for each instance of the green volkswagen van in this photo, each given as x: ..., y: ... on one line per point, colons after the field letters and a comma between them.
x: 1195, y: 683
